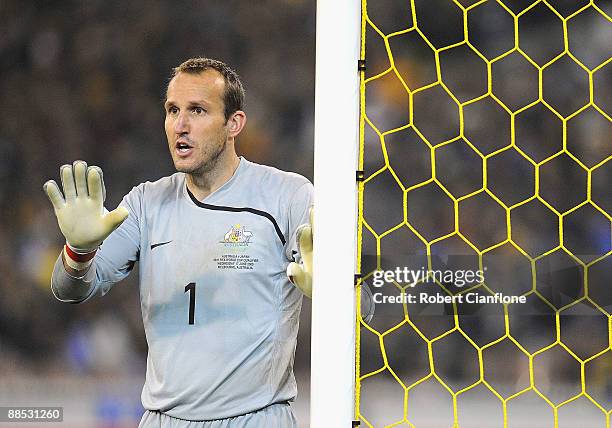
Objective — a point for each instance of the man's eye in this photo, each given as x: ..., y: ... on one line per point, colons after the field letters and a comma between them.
x: 198, y: 110
x: 172, y: 110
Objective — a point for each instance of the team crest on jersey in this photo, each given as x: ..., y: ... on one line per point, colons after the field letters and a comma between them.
x: 238, y: 236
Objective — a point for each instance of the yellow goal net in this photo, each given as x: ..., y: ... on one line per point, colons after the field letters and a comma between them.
x: 484, y: 228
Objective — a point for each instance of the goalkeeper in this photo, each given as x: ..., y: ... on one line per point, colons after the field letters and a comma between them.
x: 217, y: 243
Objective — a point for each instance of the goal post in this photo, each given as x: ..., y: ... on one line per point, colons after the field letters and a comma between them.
x: 335, y: 217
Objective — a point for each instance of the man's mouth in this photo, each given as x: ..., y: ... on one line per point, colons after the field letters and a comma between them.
x: 182, y: 147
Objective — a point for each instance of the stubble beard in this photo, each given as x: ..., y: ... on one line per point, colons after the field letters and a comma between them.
x: 209, y: 163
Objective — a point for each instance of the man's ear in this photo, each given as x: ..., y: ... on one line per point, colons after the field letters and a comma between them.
x: 236, y: 122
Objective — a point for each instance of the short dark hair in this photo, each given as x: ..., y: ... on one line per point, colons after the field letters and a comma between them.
x: 233, y: 96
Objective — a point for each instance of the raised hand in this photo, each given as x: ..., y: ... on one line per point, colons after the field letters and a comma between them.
x: 80, y: 210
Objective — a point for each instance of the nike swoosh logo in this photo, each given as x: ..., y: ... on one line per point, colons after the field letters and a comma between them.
x: 160, y: 244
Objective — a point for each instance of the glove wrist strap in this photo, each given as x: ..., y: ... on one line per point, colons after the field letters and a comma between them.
x: 78, y: 260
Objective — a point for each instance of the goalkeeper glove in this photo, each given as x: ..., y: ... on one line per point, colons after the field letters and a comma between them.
x: 301, y: 274
x: 80, y: 212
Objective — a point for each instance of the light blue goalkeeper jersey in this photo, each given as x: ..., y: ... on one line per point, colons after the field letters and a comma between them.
x: 220, y: 316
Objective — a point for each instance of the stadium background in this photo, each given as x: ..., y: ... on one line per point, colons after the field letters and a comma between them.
x: 85, y: 80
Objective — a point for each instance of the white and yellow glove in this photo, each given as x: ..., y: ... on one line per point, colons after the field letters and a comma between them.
x: 80, y: 212
x: 301, y: 274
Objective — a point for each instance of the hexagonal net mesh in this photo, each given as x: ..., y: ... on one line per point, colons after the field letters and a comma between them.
x: 485, y: 146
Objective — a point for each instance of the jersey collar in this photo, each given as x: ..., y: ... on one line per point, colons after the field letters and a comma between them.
x: 223, y: 188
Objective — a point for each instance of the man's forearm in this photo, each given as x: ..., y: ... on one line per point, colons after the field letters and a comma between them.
x: 71, y: 285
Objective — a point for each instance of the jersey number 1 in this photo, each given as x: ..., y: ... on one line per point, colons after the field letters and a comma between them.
x: 191, y: 288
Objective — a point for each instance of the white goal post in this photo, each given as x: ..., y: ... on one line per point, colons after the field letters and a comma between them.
x: 335, y: 216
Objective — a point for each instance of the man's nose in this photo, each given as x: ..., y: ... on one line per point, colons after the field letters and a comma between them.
x: 182, y: 124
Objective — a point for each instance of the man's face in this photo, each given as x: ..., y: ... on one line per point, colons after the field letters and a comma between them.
x: 195, y: 122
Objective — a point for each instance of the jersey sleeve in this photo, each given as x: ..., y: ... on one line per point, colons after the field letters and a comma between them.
x: 298, y: 214
x: 114, y: 260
